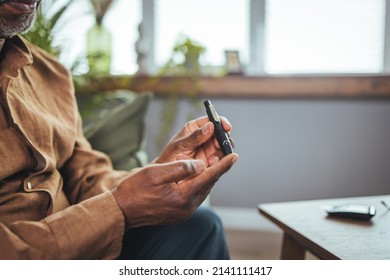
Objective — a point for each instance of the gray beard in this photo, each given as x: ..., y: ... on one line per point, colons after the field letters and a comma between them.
x: 9, y: 31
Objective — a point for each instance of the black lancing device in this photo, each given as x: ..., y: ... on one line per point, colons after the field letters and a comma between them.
x: 219, y: 133
x: 350, y: 211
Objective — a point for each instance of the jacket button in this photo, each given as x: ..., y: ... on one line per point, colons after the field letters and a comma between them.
x: 29, y: 185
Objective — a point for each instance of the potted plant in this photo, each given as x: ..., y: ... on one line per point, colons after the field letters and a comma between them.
x: 183, y: 62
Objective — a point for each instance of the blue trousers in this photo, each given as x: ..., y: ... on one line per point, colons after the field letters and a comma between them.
x: 199, y: 238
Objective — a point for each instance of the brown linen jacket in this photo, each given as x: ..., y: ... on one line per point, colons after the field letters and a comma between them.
x: 55, y: 201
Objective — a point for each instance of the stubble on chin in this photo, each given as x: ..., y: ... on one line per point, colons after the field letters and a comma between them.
x: 21, y: 25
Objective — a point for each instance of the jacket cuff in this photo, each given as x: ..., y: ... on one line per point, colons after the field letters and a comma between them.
x: 92, y: 229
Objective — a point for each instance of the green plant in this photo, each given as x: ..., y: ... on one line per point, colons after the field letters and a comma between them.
x: 47, y: 23
x: 185, y: 58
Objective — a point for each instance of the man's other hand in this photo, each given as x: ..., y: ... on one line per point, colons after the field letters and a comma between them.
x: 195, y: 141
x: 169, y: 192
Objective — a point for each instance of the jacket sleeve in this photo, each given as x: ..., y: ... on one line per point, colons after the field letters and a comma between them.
x: 91, y: 228
x: 88, y: 172
x: 94, y: 230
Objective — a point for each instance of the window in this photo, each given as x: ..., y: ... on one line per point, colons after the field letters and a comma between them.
x: 292, y: 37
x: 324, y: 36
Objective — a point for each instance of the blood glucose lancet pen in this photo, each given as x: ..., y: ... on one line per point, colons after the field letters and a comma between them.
x: 219, y: 132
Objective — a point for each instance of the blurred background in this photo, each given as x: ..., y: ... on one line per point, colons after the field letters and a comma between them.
x: 305, y: 84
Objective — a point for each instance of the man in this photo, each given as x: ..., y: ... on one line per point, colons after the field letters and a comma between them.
x: 59, y: 199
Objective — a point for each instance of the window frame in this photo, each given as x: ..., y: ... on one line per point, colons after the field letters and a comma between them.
x: 386, y: 50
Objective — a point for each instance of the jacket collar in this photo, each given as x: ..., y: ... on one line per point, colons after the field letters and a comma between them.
x: 16, y: 55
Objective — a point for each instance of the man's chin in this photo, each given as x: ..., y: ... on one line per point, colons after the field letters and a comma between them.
x: 21, y: 26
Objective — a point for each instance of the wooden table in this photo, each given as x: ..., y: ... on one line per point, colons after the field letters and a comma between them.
x: 307, y: 227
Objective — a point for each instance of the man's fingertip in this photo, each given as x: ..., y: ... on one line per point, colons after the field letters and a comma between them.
x: 206, y: 128
x: 213, y: 160
x: 235, y: 158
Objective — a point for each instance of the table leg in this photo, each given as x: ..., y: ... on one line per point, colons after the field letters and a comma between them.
x: 291, y: 249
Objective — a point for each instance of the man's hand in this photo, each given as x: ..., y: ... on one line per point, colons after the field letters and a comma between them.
x: 195, y: 141
x: 168, y: 193
x: 177, y: 182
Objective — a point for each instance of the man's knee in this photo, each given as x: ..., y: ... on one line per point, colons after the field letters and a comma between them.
x: 207, y: 226
x: 201, y: 237
x: 208, y: 221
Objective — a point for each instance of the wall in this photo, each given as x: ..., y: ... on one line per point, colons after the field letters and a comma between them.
x: 297, y: 149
